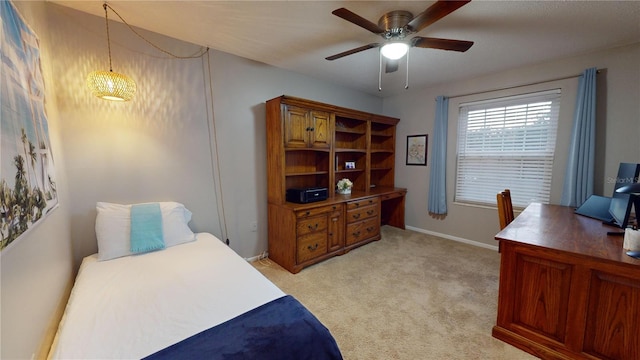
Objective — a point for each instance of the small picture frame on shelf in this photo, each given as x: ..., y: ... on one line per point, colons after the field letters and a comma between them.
x: 350, y: 165
x: 417, y: 150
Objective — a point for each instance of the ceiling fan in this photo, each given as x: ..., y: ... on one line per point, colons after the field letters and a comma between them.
x: 396, y: 25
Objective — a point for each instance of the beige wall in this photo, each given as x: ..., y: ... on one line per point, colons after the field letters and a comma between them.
x: 37, y: 269
x: 153, y: 148
x: 618, y: 130
x: 159, y: 145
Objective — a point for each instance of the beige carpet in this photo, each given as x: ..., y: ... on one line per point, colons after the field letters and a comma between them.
x: 407, y: 296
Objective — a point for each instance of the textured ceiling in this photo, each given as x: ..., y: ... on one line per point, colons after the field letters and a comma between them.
x: 298, y: 35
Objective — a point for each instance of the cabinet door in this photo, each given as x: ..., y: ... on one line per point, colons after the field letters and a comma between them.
x: 319, y: 130
x: 613, y: 317
x: 336, y: 231
x: 296, y: 127
x: 541, y: 296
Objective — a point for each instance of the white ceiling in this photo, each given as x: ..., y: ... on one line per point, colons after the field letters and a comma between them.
x: 298, y: 35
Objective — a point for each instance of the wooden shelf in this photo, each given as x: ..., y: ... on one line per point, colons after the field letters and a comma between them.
x: 380, y: 134
x: 307, y: 150
x: 351, y: 150
x: 350, y: 131
x: 349, y: 171
x: 381, y: 168
x: 307, y: 173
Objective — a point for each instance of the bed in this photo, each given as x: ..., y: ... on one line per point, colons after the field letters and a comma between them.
x: 192, y: 300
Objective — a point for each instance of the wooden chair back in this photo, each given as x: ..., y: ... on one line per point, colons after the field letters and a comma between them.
x: 505, y: 208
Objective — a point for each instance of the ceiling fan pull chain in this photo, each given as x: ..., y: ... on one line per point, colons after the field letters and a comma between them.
x: 380, y: 73
x: 406, y: 83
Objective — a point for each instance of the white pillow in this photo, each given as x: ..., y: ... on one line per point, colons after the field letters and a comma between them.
x: 113, y: 228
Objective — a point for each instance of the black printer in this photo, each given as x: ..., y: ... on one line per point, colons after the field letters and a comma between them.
x: 307, y: 195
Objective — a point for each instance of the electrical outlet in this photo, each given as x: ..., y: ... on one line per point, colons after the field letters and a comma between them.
x: 253, y: 226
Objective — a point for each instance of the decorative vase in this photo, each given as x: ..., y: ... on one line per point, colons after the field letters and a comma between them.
x: 345, y: 191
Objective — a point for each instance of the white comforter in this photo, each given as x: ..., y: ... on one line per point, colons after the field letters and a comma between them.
x: 134, y: 306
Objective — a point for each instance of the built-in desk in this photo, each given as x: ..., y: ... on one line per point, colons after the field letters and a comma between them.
x: 567, y: 290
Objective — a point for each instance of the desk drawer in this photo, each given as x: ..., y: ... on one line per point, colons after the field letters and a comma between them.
x: 361, y: 203
x: 362, y: 230
x: 315, y: 211
x: 311, y: 246
x: 362, y: 213
x: 392, y: 195
x: 314, y: 224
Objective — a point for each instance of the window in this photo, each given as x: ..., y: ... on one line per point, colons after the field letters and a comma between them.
x: 507, y: 143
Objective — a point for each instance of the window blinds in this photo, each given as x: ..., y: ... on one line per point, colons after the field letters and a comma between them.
x: 507, y: 143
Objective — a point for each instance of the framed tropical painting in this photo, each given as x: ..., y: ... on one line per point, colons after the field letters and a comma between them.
x: 27, y: 177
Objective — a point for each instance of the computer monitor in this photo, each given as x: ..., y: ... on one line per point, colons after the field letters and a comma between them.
x: 620, y: 206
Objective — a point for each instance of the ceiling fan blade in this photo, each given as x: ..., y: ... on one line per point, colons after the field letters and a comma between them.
x: 353, y: 51
x: 442, y: 44
x: 434, y: 13
x: 391, y: 66
x: 358, y: 20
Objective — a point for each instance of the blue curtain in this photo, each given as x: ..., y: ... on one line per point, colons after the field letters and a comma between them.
x: 437, y: 175
x: 578, y: 178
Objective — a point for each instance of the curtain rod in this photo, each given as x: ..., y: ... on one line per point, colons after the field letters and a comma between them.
x: 517, y: 86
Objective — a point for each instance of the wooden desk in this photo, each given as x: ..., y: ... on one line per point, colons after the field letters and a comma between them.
x: 567, y: 290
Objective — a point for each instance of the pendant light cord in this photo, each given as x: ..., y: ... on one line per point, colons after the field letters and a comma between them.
x: 213, y: 148
x: 106, y: 20
x: 213, y: 145
x: 199, y: 54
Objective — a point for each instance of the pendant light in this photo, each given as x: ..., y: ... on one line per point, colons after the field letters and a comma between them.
x: 110, y: 85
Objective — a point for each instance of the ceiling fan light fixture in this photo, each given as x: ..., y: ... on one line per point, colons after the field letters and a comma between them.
x: 394, y: 50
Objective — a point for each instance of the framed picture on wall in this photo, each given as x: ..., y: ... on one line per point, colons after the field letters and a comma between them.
x: 417, y: 149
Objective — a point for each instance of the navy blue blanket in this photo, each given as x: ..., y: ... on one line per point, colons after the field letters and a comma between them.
x: 281, y: 329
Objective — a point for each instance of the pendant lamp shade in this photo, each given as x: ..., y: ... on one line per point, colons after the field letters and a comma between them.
x: 111, y: 85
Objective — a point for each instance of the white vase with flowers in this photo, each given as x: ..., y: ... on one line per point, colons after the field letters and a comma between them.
x: 344, y: 186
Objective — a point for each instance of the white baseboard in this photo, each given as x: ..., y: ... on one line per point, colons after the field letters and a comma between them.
x: 263, y: 255
x: 454, y: 238
x: 253, y: 258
